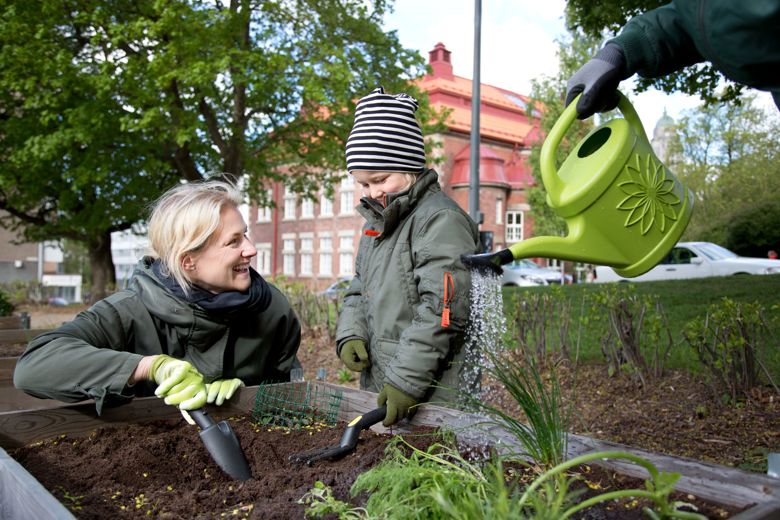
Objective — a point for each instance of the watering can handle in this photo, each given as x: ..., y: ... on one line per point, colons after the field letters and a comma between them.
x: 550, y: 178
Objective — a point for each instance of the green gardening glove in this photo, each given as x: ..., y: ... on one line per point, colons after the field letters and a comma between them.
x: 221, y: 390
x: 178, y: 382
x: 399, y: 404
x: 354, y: 355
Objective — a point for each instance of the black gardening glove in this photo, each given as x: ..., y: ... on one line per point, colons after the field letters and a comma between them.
x: 598, y: 80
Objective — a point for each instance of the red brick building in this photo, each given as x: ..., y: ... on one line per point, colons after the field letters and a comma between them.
x: 316, y: 241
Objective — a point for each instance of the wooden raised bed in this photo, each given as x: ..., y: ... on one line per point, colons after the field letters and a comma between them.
x: 21, y: 496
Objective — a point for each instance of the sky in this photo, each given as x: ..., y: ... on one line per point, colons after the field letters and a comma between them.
x: 517, y: 45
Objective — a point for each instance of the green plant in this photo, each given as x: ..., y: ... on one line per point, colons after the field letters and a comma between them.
x: 321, y: 502
x: 657, y: 488
x: 543, y: 437
x: 729, y: 341
x: 344, y: 375
x: 6, y: 307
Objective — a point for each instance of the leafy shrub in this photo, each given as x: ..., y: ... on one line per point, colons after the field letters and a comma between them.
x: 6, y: 307
x: 755, y: 231
x: 730, y: 341
x: 318, y: 314
x: 635, y: 334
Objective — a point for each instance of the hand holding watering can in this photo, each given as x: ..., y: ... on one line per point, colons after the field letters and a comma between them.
x: 622, y: 207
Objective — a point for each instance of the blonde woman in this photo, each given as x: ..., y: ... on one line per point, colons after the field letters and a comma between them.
x: 196, y: 322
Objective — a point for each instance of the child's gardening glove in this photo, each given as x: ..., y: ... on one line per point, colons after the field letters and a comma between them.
x: 178, y: 382
x: 354, y: 355
x: 221, y: 390
x: 399, y: 404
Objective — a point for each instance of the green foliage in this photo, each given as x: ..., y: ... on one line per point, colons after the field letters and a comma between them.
x: 730, y: 342
x: 606, y: 19
x: 134, y: 97
x: 321, y: 502
x: 345, y: 375
x: 755, y: 231
x: 318, y: 314
x: 541, y: 323
x: 634, y: 333
x: 6, y: 307
x: 728, y: 156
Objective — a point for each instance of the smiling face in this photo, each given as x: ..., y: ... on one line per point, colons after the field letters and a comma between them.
x: 223, y: 263
x: 377, y: 185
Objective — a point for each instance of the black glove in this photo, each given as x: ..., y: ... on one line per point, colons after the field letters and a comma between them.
x: 598, y: 80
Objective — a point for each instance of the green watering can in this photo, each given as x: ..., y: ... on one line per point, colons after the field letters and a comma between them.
x: 622, y: 207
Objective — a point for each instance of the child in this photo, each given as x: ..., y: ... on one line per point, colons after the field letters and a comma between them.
x: 406, y: 310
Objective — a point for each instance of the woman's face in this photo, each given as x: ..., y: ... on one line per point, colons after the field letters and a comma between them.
x: 223, y: 263
x: 377, y: 185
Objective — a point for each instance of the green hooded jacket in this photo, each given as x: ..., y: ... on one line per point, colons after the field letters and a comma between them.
x: 740, y: 38
x: 409, y: 252
x: 93, y: 356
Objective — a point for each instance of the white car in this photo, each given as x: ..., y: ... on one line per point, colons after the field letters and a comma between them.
x: 696, y: 260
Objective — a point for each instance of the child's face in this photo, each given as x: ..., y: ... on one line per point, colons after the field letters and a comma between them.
x: 377, y: 185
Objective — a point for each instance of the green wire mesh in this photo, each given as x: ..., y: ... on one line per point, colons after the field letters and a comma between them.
x: 295, y: 405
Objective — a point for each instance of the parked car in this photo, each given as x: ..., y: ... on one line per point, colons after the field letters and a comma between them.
x: 336, y: 289
x: 531, y: 271
x: 696, y: 260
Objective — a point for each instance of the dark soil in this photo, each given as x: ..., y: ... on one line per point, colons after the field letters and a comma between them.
x: 162, y: 470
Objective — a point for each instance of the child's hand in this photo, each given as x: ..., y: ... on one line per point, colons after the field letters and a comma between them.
x: 400, y: 405
x: 354, y: 355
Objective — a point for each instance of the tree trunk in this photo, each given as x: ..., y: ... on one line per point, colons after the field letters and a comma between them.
x: 103, y: 274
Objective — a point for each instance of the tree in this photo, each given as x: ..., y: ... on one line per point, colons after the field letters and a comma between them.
x: 106, y: 104
x: 730, y: 156
x: 597, y: 19
x: 547, y: 97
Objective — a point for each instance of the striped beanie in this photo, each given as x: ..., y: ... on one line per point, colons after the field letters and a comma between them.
x: 386, y: 136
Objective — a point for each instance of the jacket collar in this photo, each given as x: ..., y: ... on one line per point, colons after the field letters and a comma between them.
x: 399, y: 205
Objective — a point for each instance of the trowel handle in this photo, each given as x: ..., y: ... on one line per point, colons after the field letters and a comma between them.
x: 359, y: 423
x: 201, y: 418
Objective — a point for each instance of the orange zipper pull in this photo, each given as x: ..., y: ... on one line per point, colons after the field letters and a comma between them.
x: 449, y: 294
x: 371, y: 233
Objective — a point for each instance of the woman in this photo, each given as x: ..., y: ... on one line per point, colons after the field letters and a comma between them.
x: 195, y: 323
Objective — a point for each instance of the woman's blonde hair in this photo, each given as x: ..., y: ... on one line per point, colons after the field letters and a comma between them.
x: 184, y: 218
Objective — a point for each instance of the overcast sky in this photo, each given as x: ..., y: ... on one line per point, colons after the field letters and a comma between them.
x: 517, y: 45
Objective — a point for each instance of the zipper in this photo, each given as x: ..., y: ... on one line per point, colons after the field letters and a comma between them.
x: 449, y: 294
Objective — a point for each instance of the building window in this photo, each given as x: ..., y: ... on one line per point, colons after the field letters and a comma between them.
x: 326, y: 206
x: 288, y: 256
x: 289, y: 204
x: 326, y: 256
x: 263, y: 258
x: 307, y: 208
x: 514, y: 226
x: 264, y: 214
x: 306, y: 256
x: 499, y: 211
x: 346, y: 252
x: 347, y: 196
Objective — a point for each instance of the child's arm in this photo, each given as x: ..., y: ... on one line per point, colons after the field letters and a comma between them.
x: 352, y: 318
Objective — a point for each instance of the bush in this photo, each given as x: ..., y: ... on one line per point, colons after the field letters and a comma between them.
x: 730, y: 341
x: 6, y: 307
x: 756, y: 231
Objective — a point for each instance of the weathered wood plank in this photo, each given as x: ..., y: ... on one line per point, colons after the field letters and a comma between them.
x: 14, y: 336
x: 21, y: 496
x: 7, y: 365
x: 11, y: 322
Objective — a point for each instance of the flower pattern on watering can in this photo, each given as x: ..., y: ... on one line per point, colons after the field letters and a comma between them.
x: 650, y: 196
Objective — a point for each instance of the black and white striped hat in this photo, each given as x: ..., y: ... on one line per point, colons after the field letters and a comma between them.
x: 386, y: 136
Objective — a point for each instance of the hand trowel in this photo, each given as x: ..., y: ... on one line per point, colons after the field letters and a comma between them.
x: 222, y: 444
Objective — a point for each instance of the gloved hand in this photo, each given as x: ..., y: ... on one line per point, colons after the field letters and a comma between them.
x: 598, y: 80
x: 221, y: 390
x: 399, y: 404
x: 178, y: 382
x: 354, y: 355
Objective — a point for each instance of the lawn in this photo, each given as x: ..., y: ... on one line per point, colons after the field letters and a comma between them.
x: 682, y: 301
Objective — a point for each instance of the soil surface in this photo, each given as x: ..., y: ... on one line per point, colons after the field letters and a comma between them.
x: 676, y: 415
x: 162, y: 470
